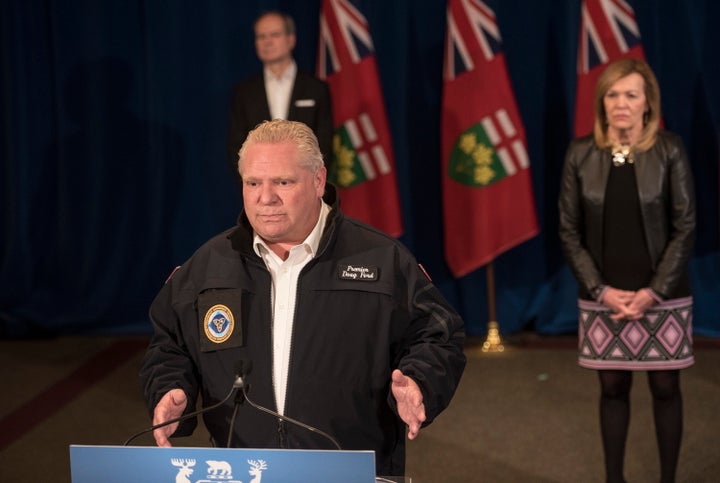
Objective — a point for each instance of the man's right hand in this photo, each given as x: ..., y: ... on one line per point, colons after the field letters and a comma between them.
x: 171, y: 406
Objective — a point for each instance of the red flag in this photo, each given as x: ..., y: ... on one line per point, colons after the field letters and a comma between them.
x: 364, y: 166
x: 487, y: 189
x: 608, y: 32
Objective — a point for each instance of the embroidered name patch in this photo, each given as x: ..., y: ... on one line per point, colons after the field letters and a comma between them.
x: 360, y: 273
x: 219, y: 323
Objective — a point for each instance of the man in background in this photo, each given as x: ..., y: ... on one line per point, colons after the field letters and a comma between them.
x: 281, y: 91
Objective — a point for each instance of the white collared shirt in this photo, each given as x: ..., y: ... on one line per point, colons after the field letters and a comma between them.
x: 279, y: 91
x: 285, y: 275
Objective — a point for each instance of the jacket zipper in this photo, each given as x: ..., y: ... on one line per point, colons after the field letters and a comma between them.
x: 282, y: 427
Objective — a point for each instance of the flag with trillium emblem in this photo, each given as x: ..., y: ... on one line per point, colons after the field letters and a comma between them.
x: 363, y: 167
x: 488, y: 201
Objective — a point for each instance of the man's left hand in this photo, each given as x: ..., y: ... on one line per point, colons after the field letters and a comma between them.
x: 409, y: 402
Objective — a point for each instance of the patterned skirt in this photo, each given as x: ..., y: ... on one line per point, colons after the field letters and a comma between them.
x: 662, y: 339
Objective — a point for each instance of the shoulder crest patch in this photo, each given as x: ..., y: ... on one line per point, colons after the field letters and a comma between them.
x: 219, y: 323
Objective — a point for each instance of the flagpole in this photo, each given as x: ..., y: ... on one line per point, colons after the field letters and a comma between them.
x: 493, y: 342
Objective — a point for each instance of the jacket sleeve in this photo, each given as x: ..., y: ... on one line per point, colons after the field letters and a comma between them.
x: 571, y: 223
x: 167, y: 363
x: 672, y: 264
x: 432, y: 350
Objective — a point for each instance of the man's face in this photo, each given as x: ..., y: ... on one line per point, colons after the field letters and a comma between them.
x: 281, y: 198
x: 272, y: 42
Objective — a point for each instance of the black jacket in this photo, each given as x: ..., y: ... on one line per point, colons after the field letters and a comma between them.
x: 348, y: 336
x: 667, y: 203
x: 310, y: 104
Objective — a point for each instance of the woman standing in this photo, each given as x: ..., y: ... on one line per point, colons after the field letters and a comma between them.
x: 627, y: 227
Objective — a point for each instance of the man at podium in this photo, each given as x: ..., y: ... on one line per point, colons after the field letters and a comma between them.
x: 344, y: 330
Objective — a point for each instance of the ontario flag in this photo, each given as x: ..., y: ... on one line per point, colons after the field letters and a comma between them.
x: 487, y: 190
x: 364, y: 166
x: 608, y: 32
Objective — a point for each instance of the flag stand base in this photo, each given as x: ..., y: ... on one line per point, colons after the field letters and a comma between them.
x: 493, y: 342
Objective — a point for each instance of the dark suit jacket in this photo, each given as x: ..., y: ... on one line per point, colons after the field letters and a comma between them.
x: 309, y: 103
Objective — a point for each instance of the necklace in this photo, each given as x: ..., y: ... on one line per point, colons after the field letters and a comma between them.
x: 622, y: 153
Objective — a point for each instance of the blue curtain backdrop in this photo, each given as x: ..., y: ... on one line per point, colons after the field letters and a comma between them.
x: 114, y: 117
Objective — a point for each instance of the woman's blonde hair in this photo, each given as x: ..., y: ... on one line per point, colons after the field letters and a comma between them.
x: 651, y: 119
x: 282, y: 131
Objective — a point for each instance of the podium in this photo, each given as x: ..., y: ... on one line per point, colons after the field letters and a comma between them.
x: 136, y: 464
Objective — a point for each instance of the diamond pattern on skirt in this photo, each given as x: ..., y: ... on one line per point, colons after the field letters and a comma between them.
x: 663, y: 336
x: 634, y: 336
x: 599, y: 335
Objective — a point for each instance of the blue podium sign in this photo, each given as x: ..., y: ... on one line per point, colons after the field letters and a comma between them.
x: 136, y: 464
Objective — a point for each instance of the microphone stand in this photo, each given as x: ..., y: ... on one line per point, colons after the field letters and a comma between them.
x: 239, y: 397
x: 239, y: 383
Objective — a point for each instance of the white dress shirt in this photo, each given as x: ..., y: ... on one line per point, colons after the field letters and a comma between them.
x: 285, y: 275
x: 279, y: 91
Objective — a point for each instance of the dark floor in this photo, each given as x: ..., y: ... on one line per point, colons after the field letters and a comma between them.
x: 528, y: 414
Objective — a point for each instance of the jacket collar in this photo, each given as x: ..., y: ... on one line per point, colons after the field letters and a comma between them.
x: 242, y: 236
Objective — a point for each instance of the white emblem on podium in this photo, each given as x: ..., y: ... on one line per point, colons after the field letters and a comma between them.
x: 217, y: 471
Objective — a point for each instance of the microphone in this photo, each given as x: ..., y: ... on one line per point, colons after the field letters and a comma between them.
x: 245, y: 387
x: 237, y: 383
x: 243, y: 368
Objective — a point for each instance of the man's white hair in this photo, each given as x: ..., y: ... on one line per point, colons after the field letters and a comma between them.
x: 282, y: 131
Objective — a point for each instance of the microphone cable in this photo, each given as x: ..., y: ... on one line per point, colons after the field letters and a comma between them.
x: 289, y: 419
x: 185, y: 416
